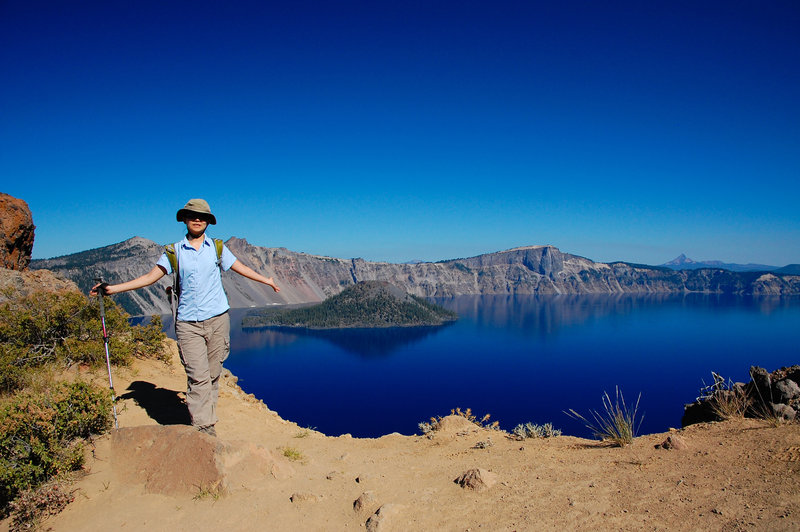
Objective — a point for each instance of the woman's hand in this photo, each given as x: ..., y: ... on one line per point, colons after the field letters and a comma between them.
x: 271, y: 282
x: 99, y: 288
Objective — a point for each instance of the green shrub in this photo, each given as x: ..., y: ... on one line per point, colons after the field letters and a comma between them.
x: 40, y: 434
x: 43, y: 422
x: 65, y: 328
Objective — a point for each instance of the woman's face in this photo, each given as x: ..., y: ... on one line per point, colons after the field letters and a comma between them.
x: 195, y: 224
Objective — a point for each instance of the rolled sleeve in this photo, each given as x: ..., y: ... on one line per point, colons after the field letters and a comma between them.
x: 163, y: 261
x: 228, y: 258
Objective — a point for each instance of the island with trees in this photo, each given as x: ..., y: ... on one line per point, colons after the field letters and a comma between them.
x: 368, y: 304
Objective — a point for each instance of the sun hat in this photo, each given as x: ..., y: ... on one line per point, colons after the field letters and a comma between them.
x: 197, y: 206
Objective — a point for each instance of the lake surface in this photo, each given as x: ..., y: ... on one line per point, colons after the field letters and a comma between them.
x: 519, y: 358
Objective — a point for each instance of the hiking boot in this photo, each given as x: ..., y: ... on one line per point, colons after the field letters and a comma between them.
x: 210, y: 430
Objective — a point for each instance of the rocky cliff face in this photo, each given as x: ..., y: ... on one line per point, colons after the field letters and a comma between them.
x: 16, y: 233
x: 305, y: 278
x: 115, y: 264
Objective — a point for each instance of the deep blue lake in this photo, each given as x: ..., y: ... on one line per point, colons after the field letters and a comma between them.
x: 519, y: 358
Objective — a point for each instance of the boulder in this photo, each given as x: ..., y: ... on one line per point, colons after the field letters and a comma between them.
x: 785, y: 391
x: 762, y: 383
x: 178, y: 460
x: 698, y: 412
x: 793, y: 373
x: 16, y: 233
x: 171, y: 460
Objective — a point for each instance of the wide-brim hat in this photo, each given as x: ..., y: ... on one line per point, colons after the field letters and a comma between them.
x: 197, y: 206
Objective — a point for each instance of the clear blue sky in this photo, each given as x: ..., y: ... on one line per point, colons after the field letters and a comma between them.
x: 409, y: 130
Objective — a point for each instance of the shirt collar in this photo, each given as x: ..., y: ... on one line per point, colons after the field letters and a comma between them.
x: 185, y: 242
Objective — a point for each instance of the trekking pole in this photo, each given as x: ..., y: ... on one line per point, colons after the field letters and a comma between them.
x: 101, y: 292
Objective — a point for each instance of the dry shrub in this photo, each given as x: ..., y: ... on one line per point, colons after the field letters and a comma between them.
x: 34, y: 505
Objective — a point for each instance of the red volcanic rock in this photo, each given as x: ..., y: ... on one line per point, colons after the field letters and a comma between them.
x: 16, y: 233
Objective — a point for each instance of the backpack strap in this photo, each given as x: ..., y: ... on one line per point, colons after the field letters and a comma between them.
x: 173, y: 292
x: 218, y: 247
x: 172, y: 256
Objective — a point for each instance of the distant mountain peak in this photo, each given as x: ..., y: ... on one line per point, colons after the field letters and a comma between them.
x: 680, y: 260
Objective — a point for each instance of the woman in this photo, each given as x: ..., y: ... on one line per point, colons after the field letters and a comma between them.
x: 202, y: 325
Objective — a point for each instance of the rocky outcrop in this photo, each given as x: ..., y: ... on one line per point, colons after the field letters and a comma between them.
x: 305, y: 278
x: 14, y: 284
x: 16, y: 233
x: 767, y: 395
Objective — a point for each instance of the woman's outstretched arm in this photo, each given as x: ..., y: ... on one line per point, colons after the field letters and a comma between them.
x: 140, y: 282
x: 247, y: 271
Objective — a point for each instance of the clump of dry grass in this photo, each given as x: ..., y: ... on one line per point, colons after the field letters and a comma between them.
x: 727, y: 399
x: 766, y: 412
x: 616, y: 423
x: 292, y: 454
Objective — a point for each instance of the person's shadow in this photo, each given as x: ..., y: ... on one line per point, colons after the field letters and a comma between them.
x: 165, y: 406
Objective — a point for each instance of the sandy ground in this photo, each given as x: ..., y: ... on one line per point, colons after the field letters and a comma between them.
x: 736, y: 475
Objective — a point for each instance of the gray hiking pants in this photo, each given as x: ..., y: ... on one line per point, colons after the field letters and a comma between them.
x: 203, y: 346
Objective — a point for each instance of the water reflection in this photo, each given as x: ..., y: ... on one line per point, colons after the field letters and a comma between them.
x: 369, y: 343
x: 546, y: 315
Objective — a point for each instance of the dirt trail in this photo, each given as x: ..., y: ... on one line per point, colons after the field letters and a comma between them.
x: 739, y: 475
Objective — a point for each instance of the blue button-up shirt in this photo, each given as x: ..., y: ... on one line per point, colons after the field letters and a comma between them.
x: 202, y: 295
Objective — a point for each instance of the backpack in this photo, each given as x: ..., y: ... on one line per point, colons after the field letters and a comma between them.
x: 174, y: 291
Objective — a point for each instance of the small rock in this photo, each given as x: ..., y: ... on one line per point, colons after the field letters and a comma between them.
x: 477, y: 479
x: 383, y: 517
x: 364, y: 501
x: 303, y: 497
x: 673, y: 441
